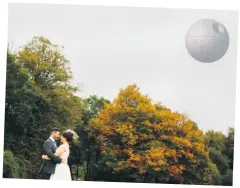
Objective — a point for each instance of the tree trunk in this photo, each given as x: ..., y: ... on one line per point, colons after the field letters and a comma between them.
x: 77, y: 176
x: 88, y: 161
x: 71, y: 171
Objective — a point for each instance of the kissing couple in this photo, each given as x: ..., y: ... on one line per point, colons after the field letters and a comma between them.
x: 55, y: 158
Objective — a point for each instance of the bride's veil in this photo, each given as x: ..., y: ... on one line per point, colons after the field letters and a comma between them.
x: 75, y: 135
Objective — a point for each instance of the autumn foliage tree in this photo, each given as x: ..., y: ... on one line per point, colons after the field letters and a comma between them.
x: 144, y: 142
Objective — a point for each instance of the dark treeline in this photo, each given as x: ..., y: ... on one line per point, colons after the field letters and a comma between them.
x: 130, y: 139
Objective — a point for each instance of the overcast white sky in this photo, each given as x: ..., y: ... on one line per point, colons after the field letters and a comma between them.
x: 112, y: 47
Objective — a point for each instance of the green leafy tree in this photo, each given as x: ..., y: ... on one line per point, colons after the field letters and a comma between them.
x: 84, y: 152
x: 229, y: 149
x: 216, y: 176
x: 221, y: 154
x: 50, y: 76
x: 215, y: 139
x: 229, y: 152
x: 219, y: 159
x: 19, y: 108
x: 38, y: 96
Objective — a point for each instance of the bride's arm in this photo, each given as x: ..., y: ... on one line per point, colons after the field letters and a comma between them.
x: 58, y: 152
x: 49, y: 154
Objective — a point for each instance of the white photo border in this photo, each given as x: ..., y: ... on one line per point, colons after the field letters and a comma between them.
x: 189, y: 4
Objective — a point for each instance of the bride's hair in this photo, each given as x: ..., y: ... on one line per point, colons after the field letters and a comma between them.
x: 68, y: 135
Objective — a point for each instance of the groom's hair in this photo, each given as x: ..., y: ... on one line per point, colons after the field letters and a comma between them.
x: 54, y: 129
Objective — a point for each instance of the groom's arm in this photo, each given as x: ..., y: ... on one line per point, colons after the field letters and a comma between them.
x: 50, y: 154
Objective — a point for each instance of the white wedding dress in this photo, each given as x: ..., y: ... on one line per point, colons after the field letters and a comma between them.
x: 62, y: 171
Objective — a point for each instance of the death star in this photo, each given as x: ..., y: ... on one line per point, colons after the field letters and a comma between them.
x: 207, y: 40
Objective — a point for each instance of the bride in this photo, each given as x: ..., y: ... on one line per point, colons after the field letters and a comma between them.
x: 62, y: 171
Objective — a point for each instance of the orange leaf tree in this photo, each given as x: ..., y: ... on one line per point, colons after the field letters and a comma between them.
x: 139, y: 141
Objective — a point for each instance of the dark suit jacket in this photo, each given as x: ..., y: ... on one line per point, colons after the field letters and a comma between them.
x: 48, y: 166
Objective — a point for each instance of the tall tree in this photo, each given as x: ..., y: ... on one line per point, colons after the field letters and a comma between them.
x: 229, y: 152
x: 85, y: 151
x: 19, y: 108
x: 50, y: 75
x: 38, y: 96
x: 221, y: 154
x: 229, y: 149
x: 144, y: 142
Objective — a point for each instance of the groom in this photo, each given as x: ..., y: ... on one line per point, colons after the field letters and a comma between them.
x: 49, y: 148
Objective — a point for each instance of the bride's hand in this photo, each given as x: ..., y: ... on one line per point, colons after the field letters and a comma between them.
x: 64, y: 161
x: 45, y: 157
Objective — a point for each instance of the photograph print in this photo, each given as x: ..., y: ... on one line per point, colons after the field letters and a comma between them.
x: 120, y: 94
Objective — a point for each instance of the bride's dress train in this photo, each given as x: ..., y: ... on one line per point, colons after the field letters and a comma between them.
x: 62, y: 171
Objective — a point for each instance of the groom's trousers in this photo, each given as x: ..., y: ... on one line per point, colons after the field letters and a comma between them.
x: 45, y: 176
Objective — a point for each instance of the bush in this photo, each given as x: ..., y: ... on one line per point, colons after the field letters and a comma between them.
x: 11, y: 167
x: 228, y: 178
